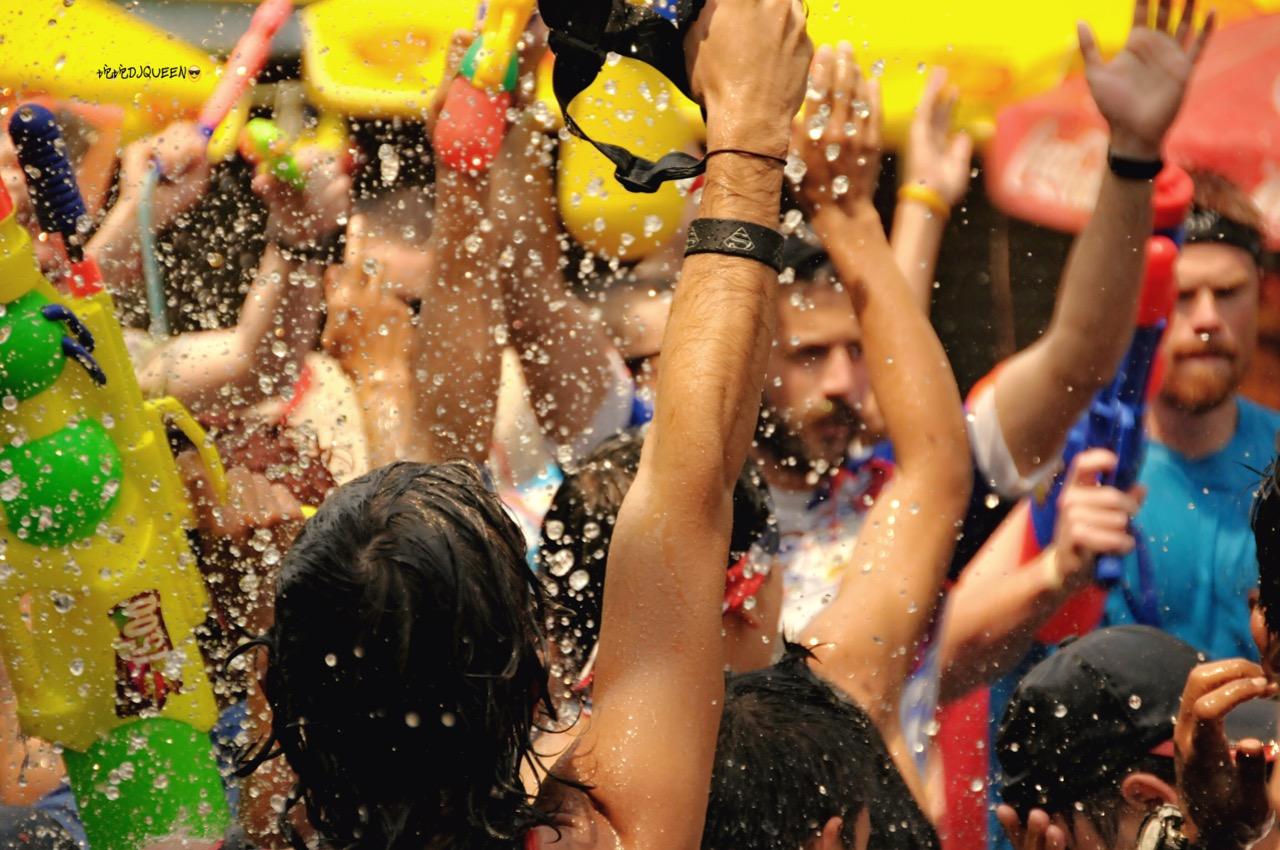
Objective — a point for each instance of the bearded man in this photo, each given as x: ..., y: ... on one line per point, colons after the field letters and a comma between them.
x: 1195, y: 564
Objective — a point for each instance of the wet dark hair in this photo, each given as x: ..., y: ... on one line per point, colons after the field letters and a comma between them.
x: 1104, y: 807
x: 578, y: 528
x: 1265, y: 520
x: 793, y: 753
x: 405, y: 671
x: 806, y: 257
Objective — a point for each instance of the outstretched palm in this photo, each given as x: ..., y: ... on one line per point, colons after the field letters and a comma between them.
x: 1140, y: 91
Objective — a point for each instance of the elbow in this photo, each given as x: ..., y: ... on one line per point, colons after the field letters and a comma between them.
x: 952, y: 474
x: 1082, y: 364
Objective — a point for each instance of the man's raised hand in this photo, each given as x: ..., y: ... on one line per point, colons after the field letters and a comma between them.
x: 838, y: 138
x: 747, y: 61
x: 1140, y: 91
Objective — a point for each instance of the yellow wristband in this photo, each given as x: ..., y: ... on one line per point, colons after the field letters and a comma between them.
x: 926, y: 195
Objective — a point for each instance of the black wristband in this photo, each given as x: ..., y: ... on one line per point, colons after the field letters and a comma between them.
x: 735, y: 239
x: 328, y: 250
x: 1134, y: 169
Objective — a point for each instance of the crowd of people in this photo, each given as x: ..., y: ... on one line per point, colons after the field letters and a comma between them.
x: 700, y: 564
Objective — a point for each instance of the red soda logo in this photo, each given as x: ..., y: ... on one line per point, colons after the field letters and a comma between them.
x: 143, y: 651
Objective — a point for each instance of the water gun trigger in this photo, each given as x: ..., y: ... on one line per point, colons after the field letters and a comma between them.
x: 171, y: 409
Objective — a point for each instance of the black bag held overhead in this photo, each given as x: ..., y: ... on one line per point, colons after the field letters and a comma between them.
x: 584, y: 33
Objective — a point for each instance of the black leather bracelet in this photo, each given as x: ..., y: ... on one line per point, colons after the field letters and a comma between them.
x: 735, y: 239
x: 1134, y: 169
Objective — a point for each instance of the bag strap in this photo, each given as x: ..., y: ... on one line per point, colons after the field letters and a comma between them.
x: 582, y: 42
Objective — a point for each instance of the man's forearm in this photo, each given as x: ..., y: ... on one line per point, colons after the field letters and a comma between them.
x: 916, y: 239
x: 1094, y: 316
x: 456, y: 359
x: 564, y: 351
x: 282, y: 330
x: 908, y: 369
x: 723, y: 316
x: 1041, y: 391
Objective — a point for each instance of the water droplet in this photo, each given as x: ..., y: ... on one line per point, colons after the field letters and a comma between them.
x: 10, y: 489
x: 840, y: 185
x: 590, y: 531
x: 448, y: 719
x: 331, y: 660
x: 61, y: 61
x: 215, y: 260
x: 795, y: 168
x: 877, y: 67
x: 10, y: 403
x: 280, y: 348
x: 62, y: 602
x: 555, y: 529
x: 561, y: 562
x: 992, y: 501
x: 412, y: 720
x: 976, y: 785
x: 1135, y: 702
x: 832, y: 152
x: 579, y: 579
x: 1060, y: 711
x: 77, y: 667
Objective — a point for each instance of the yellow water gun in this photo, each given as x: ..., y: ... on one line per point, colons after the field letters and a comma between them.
x: 101, y: 643
x: 473, y: 120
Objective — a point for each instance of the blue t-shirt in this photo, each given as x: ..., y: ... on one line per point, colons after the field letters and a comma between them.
x: 1195, y: 525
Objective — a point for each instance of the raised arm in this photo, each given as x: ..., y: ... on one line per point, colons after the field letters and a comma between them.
x: 865, y: 640
x: 280, y: 320
x: 576, y: 379
x: 1041, y: 391
x: 180, y: 151
x: 455, y: 356
x: 659, y: 675
x: 935, y: 176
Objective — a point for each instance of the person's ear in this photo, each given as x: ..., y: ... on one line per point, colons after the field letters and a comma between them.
x: 1146, y: 791
x: 829, y: 838
x: 1268, y: 646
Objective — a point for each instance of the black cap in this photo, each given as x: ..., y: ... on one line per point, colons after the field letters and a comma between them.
x: 1083, y: 717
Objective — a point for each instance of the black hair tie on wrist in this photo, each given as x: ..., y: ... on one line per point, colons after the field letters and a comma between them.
x: 1134, y: 169
x: 735, y: 239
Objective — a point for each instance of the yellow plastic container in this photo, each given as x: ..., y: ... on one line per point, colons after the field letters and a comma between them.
x: 101, y: 632
x: 56, y: 48
x: 379, y: 57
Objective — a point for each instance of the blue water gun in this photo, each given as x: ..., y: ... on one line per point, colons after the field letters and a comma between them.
x: 1114, y: 419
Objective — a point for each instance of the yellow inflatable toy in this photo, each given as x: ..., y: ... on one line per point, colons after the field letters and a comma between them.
x: 634, y: 106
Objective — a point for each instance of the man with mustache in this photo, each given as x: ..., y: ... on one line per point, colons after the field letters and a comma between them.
x: 807, y: 424
x: 1207, y: 443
